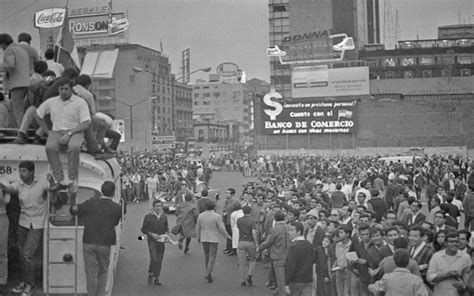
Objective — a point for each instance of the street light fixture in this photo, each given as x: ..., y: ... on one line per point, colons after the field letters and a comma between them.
x: 130, y: 106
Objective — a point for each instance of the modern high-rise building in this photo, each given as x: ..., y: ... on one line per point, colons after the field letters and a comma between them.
x: 302, y: 28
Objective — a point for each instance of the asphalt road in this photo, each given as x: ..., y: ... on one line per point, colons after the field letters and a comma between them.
x: 182, y: 274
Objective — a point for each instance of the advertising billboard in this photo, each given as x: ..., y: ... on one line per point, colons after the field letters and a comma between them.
x: 307, y: 116
x: 94, y: 26
x: 320, y: 81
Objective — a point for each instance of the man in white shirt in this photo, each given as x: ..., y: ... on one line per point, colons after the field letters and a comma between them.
x: 57, y: 68
x: 32, y: 196
x: 70, y: 117
x: 152, y: 186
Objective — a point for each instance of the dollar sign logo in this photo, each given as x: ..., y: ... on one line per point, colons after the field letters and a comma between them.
x: 267, y: 99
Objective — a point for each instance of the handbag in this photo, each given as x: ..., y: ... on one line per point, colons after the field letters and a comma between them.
x: 176, y: 229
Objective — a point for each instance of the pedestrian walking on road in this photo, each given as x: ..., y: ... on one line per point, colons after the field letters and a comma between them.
x: 101, y: 215
x: 155, y: 226
x: 247, y: 247
x: 187, y: 214
x: 209, y: 228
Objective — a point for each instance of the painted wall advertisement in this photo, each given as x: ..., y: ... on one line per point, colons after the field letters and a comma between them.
x: 320, y: 81
x: 307, y: 116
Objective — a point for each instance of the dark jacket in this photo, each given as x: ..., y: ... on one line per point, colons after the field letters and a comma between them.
x: 299, y: 262
x: 318, y: 236
x: 101, y: 215
x: 153, y: 224
x: 278, y: 241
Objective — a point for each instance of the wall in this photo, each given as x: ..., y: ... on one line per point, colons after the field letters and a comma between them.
x: 423, y: 85
x: 416, y: 122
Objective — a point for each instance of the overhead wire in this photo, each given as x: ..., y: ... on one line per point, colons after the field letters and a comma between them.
x: 14, y: 14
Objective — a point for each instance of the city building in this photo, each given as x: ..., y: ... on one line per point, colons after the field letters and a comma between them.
x: 220, y: 102
x: 183, y: 114
x: 302, y: 29
x: 133, y: 84
x: 452, y: 55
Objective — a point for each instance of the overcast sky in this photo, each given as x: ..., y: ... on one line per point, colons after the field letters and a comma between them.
x: 224, y: 30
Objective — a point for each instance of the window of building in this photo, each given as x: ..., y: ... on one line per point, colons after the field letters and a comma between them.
x: 465, y: 72
x: 216, y: 95
x: 408, y: 74
x: 205, y: 87
x: 445, y: 73
x: 447, y: 60
x: 427, y: 74
x: 206, y: 95
x: 464, y: 60
x: 279, y: 8
x: 372, y: 63
x: 389, y: 75
x: 196, y: 103
x: 390, y: 62
x: 427, y: 61
x: 196, y: 95
x: 104, y: 92
x: 409, y: 61
x: 206, y: 103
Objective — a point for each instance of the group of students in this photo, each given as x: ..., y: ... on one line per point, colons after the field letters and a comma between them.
x: 362, y: 228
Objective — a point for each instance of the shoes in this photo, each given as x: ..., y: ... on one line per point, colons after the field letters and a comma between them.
x: 232, y: 253
x: 29, y: 289
x: 186, y: 250
x: 57, y: 187
x: 19, y: 288
x: 21, y: 139
x: 209, y: 278
x: 226, y: 251
x: 249, y: 280
x: 243, y: 284
x: 102, y: 156
x: 150, y: 279
x: 157, y: 282
x: 37, y: 140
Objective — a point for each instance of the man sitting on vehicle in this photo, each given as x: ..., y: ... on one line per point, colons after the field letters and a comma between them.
x: 70, y: 117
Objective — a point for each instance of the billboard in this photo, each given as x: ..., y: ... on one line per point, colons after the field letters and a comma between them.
x: 320, y: 81
x: 307, y: 116
x: 95, y: 25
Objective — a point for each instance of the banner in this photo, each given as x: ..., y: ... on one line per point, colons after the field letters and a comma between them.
x: 66, y: 50
x: 307, y: 116
x: 319, y: 81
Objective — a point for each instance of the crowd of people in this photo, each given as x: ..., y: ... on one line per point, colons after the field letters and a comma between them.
x: 341, y: 226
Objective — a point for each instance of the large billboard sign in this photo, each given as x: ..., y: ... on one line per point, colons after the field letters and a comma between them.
x: 97, y: 25
x: 50, y: 18
x: 307, y: 116
x: 320, y: 81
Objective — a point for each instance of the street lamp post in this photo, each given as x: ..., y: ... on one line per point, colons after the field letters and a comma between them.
x: 138, y: 70
x: 130, y: 106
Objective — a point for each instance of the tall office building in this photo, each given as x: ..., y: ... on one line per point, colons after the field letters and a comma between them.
x: 302, y: 28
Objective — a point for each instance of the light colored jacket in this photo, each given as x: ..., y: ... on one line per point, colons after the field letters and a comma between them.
x: 209, y: 227
x: 16, y: 67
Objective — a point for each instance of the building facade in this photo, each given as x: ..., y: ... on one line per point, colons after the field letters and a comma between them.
x: 294, y: 23
x: 221, y: 102
x: 136, y: 89
x: 183, y: 114
x: 447, y: 57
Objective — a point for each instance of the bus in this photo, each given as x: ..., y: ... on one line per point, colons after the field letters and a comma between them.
x: 62, y: 257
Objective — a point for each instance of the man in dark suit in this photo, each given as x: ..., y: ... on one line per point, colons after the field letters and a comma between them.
x: 416, y: 216
x: 419, y: 250
x: 278, y: 241
x: 360, y: 277
x: 313, y: 233
x: 440, y: 222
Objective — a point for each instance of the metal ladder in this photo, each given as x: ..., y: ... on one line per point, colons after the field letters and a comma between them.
x: 51, y: 213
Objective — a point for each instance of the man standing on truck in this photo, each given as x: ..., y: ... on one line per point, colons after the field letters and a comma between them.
x: 32, y: 194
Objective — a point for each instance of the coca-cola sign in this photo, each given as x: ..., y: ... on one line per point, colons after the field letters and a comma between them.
x: 50, y: 18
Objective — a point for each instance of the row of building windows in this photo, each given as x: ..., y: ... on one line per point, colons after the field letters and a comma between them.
x: 424, y: 61
x: 424, y: 74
